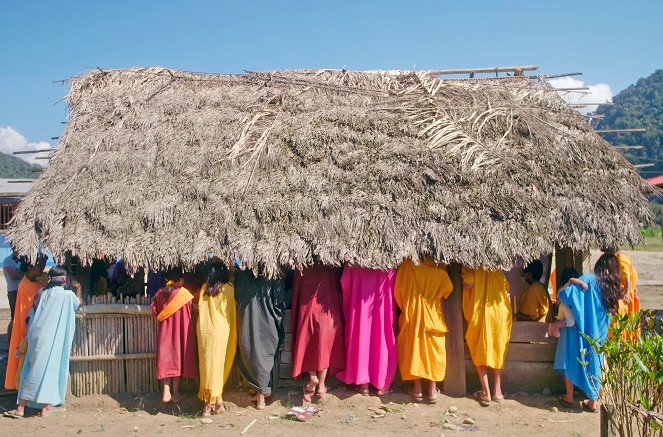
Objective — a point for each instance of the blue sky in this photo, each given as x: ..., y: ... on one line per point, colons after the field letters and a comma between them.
x: 612, y: 42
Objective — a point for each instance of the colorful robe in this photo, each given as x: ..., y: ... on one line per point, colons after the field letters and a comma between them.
x: 318, y: 340
x: 487, y: 310
x: 260, y: 327
x: 27, y: 290
x: 419, y: 291
x: 534, y: 302
x: 217, y: 341
x: 368, y: 309
x: 50, y: 336
x: 628, y: 273
x: 176, y: 343
x: 592, y: 320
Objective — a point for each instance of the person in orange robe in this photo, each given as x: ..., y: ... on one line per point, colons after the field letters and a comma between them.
x: 487, y: 310
x: 419, y: 292
x: 32, y: 282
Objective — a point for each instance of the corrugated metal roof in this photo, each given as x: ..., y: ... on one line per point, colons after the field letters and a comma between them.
x: 14, y: 187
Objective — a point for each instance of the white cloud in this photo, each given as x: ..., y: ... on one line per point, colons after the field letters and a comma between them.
x: 599, y: 93
x: 12, y: 141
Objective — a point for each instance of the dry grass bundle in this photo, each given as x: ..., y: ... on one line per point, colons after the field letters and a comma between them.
x: 164, y: 167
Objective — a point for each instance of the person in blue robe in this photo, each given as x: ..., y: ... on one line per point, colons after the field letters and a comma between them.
x: 575, y: 358
x: 50, y: 336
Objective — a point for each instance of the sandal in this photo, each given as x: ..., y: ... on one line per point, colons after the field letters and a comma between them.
x: 363, y: 392
x: 418, y: 397
x: 498, y: 399
x: 53, y: 410
x: 564, y: 402
x: 434, y: 400
x: 584, y: 406
x: 383, y: 391
x: 482, y: 401
x: 12, y: 414
x: 321, y: 393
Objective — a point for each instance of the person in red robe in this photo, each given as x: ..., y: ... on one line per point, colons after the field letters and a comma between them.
x: 176, y: 343
x: 318, y: 339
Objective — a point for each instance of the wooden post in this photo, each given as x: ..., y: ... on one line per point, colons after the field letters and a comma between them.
x: 661, y: 222
x: 455, y: 383
x: 608, y: 426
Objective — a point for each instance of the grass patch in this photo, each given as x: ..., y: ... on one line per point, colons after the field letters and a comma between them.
x: 652, y: 243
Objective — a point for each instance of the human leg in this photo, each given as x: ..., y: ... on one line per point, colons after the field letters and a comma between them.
x: 483, y: 396
x: 497, y: 385
x: 417, y: 391
x: 309, y: 388
x: 432, y: 392
x: 322, y: 386
x: 567, y: 398
x: 167, y: 395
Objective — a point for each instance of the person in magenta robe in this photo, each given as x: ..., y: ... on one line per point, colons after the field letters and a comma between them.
x: 176, y: 343
x: 369, y: 312
x: 318, y: 343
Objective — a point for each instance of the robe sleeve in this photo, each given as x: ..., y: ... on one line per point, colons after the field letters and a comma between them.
x: 446, y: 286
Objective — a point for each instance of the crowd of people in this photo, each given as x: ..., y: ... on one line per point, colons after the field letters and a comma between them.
x: 358, y: 324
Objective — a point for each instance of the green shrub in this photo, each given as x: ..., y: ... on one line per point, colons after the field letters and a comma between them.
x: 632, y: 377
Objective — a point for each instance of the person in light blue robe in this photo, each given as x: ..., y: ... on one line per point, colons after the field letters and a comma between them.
x: 50, y: 336
x: 575, y: 357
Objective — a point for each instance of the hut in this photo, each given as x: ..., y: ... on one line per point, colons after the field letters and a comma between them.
x: 280, y: 169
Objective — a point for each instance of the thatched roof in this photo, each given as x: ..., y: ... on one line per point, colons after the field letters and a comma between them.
x: 164, y: 167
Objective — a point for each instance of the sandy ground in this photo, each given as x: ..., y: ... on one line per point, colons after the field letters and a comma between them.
x: 342, y: 411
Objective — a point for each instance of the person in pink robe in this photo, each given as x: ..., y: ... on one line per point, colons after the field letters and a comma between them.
x: 176, y: 343
x: 318, y: 344
x: 369, y: 312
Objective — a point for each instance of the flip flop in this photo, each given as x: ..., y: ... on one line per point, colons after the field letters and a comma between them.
x: 54, y: 410
x: 321, y: 393
x: 498, y: 399
x: 585, y: 407
x: 564, y: 402
x: 418, y: 397
x: 12, y: 414
x: 437, y: 394
x: 483, y: 402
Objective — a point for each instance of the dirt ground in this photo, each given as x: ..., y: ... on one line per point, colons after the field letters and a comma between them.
x: 342, y: 411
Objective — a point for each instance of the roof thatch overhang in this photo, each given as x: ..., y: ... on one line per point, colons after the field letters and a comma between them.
x: 165, y: 167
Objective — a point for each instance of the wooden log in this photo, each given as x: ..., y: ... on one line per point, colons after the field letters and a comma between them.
x: 454, y: 381
x: 530, y: 332
x: 608, y: 425
x: 527, y: 352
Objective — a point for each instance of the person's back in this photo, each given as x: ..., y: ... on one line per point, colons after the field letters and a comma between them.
x: 534, y: 302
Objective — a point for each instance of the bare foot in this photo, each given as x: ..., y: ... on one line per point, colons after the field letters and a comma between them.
x: 260, y: 402
x: 167, y: 397
x: 363, y: 389
x: 207, y: 411
x: 47, y: 411
x: 219, y: 408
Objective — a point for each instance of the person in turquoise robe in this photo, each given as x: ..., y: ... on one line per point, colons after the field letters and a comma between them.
x: 50, y: 336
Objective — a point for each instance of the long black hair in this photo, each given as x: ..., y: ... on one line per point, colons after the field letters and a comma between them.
x: 606, y: 270
x: 217, y: 276
x: 57, y: 277
x: 173, y: 275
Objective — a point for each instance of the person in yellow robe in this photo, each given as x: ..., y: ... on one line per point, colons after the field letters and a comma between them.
x: 628, y: 277
x: 534, y: 302
x: 419, y: 292
x: 217, y: 337
x: 487, y: 310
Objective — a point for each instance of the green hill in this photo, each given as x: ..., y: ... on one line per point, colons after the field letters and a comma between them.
x: 638, y: 106
x: 13, y: 167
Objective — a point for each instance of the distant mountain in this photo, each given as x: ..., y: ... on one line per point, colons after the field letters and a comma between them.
x: 13, y: 167
x: 638, y: 106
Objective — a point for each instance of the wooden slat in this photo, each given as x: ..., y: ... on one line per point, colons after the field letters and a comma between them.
x: 530, y: 332
x: 519, y: 376
x: 527, y: 352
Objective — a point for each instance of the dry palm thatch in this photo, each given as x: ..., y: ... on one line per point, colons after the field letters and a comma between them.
x: 165, y: 167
